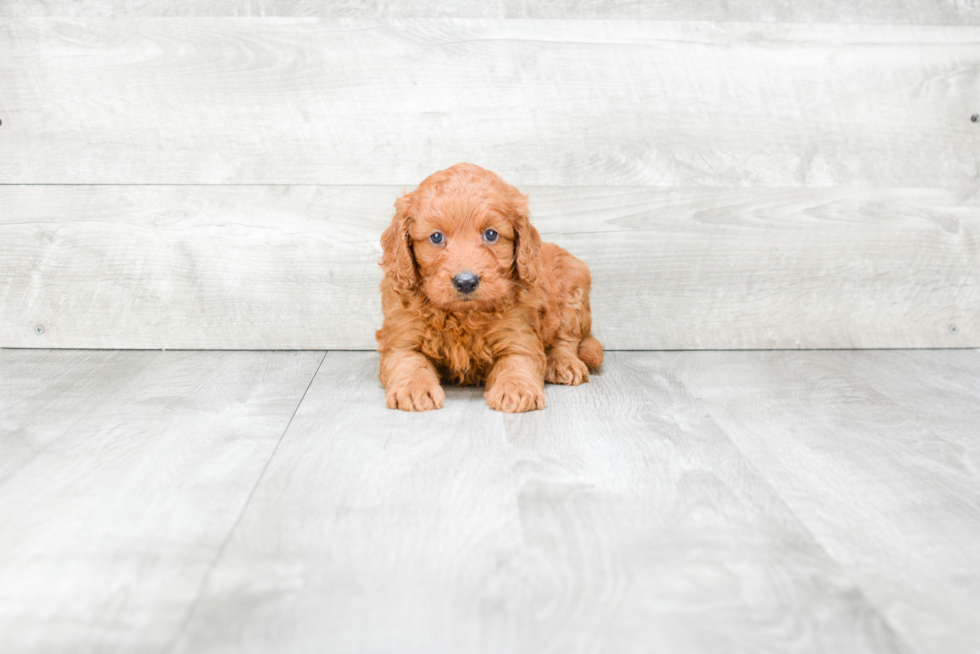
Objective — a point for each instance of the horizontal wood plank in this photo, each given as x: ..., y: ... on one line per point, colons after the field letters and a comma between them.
x: 192, y: 267
x: 543, y: 102
x: 619, y: 519
x: 140, y: 465
x: 922, y: 12
x: 296, y: 267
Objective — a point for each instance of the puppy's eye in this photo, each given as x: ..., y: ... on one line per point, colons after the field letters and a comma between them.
x: 490, y: 236
x: 436, y: 238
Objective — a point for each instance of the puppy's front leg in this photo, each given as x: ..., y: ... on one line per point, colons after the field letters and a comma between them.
x: 516, y: 383
x: 411, y: 382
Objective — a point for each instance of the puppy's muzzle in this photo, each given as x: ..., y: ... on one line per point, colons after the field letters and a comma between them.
x: 466, y: 282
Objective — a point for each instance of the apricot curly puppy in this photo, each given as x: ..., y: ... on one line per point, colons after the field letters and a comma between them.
x: 471, y: 295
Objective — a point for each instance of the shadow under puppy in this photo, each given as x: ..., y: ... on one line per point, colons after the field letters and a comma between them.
x: 471, y: 295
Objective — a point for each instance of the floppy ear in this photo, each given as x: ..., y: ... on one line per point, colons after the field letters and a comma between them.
x: 397, y: 259
x: 527, y: 243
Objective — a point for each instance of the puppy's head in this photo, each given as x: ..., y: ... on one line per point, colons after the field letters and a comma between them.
x: 463, y: 239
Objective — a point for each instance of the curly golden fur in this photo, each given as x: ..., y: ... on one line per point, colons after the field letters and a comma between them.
x: 526, y: 321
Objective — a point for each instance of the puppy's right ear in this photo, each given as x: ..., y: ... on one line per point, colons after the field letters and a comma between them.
x: 527, y: 246
x: 397, y: 259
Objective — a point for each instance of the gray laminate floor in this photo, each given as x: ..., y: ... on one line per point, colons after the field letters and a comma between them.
x: 817, y: 501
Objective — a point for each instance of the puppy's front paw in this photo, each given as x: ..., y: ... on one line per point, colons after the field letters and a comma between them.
x: 416, y: 395
x: 515, y: 396
x: 566, y: 369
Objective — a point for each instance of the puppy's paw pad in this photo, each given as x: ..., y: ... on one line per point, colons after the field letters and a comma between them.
x: 567, y: 370
x: 416, y: 396
x: 515, y: 397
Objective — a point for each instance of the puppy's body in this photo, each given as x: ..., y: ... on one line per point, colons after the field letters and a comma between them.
x: 472, y: 296
x: 462, y: 344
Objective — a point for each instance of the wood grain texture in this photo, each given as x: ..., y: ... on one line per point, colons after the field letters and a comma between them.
x: 55, y: 387
x: 375, y: 530
x: 192, y: 267
x: 121, y: 475
x: 543, y: 102
x: 921, y: 12
x: 876, y: 453
x: 296, y: 267
x: 618, y: 519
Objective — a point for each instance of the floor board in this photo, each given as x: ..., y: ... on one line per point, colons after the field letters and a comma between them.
x: 373, y: 530
x: 617, y: 520
x: 131, y: 470
x: 816, y: 501
x: 645, y: 529
x: 877, y: 453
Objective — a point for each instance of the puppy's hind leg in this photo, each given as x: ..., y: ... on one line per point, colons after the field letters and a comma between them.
x: 590, y: 352
x: 572, y: 355
x: 565, y: 366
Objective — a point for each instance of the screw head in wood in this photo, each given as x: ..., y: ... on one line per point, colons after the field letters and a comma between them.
x: 953, y: 329
x: 39, y: 330
x: 975, y: 117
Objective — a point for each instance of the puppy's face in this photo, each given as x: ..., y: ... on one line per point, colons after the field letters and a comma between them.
x: 462, y: 238
x: 464, y: 249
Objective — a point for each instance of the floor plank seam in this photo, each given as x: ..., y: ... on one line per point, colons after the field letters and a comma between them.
x: 178, y: 632
x: 899, y: 637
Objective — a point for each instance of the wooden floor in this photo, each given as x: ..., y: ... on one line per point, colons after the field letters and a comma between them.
x: 774, y: 501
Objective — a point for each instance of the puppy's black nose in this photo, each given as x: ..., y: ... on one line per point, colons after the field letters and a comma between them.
x: 466, y: 282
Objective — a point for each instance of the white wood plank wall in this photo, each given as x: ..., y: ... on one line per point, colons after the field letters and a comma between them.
x: 766, y: 177
x: 916, y: 12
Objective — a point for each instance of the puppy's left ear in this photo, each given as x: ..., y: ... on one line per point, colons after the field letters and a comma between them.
x: 527, y: 242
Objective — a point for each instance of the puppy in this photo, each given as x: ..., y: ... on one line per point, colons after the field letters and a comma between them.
x: 471, y: 295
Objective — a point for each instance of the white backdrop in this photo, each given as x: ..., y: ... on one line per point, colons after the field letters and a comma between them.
x: 179, y: 176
